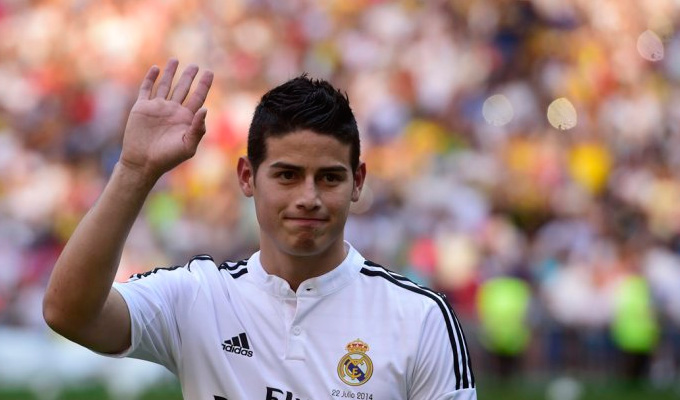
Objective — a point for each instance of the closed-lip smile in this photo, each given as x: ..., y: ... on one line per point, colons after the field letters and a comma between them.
x: 307, y: 220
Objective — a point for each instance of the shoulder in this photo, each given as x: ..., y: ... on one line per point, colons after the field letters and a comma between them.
x: 192, y: 270
x: 235, y: 269
x: 196, y: 262
x: 199, y: 267
x: 442, y: 344
x: 200, y: 274
x: 401, y: 289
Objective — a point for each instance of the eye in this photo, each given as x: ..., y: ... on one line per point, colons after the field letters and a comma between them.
x: 332, y: 178
x: 286, y: 175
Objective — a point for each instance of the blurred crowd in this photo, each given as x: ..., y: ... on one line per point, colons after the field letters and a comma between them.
x: 586, y: 218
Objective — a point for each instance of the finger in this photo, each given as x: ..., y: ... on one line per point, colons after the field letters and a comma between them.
x: 147, y: 83
x: 197, y: 98
x: 184, y: 84
x: 196, y: 130
x: 166, y: 80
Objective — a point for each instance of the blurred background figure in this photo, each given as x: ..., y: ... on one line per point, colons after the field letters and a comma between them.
x: 503, y: 305
x: 536, y: 139
x: 634, y: 327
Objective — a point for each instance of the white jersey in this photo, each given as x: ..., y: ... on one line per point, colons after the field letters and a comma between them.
x: 358, y: 332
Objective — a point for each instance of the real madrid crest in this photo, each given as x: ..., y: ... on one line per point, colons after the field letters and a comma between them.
x: 355, y: 368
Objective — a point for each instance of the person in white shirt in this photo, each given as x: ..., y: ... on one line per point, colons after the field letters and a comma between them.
x: 306, y: 317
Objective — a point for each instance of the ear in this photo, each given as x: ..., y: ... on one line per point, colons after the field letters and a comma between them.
x: 246, y: 176
x: 359, y: 179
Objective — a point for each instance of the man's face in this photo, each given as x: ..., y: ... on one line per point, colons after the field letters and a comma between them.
x: 302, y: 191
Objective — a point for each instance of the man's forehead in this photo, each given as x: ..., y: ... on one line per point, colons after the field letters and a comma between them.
x: 304, y: 135
x: 330, y: 167
x: 305, y: 147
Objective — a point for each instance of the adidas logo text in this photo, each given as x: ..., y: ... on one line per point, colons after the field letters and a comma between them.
x: 238, y: 345
x: 238, y: 350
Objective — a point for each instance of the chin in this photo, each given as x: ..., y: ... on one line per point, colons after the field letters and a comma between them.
x: 306, y: 246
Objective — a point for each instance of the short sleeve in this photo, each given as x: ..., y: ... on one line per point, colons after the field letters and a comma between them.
x: 154, y: 300
x: 442, y: 366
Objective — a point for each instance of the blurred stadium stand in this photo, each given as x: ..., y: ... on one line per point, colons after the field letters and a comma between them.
x: 463, y: 187
x: 47, y: 365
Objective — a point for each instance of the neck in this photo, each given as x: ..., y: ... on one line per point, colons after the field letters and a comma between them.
x: 296, y: 269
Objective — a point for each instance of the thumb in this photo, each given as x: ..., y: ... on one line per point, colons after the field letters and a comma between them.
x: 197, y: 129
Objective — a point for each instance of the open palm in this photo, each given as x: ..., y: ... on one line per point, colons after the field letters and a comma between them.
x: 165, y: 127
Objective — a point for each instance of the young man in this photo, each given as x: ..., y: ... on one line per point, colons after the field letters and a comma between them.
x: 306, y: 317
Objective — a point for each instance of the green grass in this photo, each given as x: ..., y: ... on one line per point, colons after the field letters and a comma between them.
x: 544, y: 389
x: 95, y: 392
x: 518, y: 389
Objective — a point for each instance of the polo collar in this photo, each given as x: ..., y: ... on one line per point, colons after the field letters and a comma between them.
x: 319, y: 286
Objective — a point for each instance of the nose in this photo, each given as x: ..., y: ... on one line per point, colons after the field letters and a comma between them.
x: 308, y: 197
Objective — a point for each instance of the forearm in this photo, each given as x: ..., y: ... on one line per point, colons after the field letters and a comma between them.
x: 83, y: 274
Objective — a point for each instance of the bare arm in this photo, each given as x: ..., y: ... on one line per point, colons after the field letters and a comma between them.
x: 163, y: 130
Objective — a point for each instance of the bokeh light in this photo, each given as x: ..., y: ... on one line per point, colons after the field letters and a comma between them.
x: 650, y: 47
x: 467, y: 178
x: 562, y: 114
x: 497, y: 110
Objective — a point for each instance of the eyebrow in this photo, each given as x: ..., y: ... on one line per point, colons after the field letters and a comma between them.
x: 285, y: 165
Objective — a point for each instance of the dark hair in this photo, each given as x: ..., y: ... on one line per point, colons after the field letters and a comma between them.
x: 302, y: 103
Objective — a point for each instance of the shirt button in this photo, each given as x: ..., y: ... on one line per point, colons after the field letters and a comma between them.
x: 297, y: 330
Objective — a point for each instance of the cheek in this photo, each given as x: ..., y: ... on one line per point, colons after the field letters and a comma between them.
x: 269, y: 203
x: 267, y: 193
x: 339, y: 204
x: 265, y: 204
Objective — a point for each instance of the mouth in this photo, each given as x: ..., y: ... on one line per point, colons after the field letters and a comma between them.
x: 306, y: 221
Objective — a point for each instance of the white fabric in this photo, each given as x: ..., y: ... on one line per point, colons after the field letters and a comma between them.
x: 187, y: 318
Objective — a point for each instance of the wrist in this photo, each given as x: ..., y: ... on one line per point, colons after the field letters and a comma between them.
x: 136, y: 176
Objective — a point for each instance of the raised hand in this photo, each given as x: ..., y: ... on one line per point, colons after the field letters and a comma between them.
x: 165, y: 126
